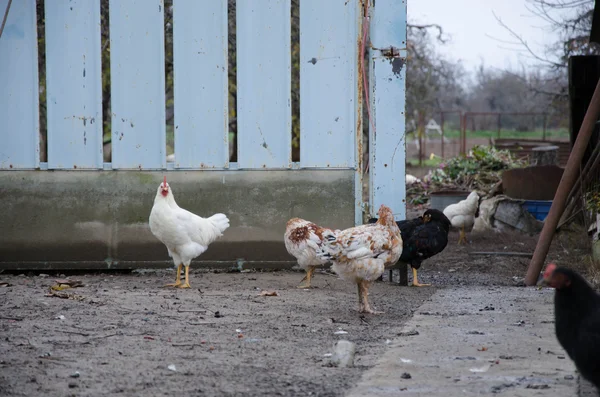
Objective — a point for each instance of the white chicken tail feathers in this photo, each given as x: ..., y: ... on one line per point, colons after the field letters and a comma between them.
x: 220, y: 221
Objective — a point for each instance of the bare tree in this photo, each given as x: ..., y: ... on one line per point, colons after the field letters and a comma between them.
x: 433, y: 83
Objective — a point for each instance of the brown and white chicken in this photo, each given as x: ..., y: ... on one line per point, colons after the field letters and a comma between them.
x: 360, y: 254
x: 185, y: 234
x: 303, y: 240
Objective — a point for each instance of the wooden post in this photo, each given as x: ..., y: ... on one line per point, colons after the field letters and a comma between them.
x: 423, y: 135
x: 544, y: 155
x: 499, y: 124
x: 463, y: 134
x: 442, y: 128
x: 544, y: 127
x: 584, y: 72
x: 403, y: 269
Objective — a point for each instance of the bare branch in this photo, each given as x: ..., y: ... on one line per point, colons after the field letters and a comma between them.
x: 524, y: 43
x: 429, y: 26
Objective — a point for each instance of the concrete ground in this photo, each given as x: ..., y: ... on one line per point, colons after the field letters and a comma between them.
x: 476, y: 341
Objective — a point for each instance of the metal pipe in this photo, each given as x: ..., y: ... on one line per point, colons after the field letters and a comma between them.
x: 566, y: 184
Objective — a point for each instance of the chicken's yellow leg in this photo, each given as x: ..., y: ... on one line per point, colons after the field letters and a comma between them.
x: 462, y: 238
x: 177, y: 282
x: 187, y: 278
x: 364, y: 285
x: 306, y: 280
x: 360, y: 297
x: 416, y: 280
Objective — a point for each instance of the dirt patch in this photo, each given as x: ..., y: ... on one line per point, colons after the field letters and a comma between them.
x: 121, y: 339
x: 123, y: 336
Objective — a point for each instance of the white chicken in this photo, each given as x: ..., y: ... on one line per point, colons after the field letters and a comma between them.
x: 303, y: 240
x: 185, y: 234
x: 360, y: 254
x: 462, y: 214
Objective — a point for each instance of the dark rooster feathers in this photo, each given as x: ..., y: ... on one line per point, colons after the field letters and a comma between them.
x: 422, y: 237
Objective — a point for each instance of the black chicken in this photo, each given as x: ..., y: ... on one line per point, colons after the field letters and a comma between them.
x: 577, y: 320
x: 422, y: 238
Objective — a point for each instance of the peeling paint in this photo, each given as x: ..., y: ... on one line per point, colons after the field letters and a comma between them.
x: 397, y: 65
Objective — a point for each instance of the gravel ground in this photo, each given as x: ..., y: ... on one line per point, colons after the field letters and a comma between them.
x: 220, y: 336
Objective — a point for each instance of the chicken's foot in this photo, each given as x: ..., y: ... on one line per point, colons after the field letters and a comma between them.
x: 187, y: 278
x: 363, y: 287
x: 306, y: 280
x: 177, y: 282
x: 416, y: 282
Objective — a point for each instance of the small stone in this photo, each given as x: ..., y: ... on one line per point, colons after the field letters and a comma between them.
x: 537, y: 386
x: 569, y: 377
x: 73, y: 385
x: 343, y: 353
x: 406, y: 375
x: 75, y: 374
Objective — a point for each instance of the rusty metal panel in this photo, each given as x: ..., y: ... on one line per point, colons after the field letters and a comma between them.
x: 264, y: 84
x: 137, y: 67
x: 200, y: 48
x: 19, y: 88
x: 74, y: 84
x: 388, y: 73
x: 328, y: 72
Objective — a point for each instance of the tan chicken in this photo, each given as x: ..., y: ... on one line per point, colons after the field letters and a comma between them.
x: 462, y: 214
x: 303, y: 240
x: 360, y: 254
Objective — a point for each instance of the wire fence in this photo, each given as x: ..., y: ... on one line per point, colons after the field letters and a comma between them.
x: 450, y: 133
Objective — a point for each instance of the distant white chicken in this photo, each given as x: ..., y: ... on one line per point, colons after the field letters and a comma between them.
x: 462, y: 214
x: 186, y: 235
x: 411, y: 179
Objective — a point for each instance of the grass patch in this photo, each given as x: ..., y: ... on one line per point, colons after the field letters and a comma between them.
x: 538, y: 134
x: 432, y: 163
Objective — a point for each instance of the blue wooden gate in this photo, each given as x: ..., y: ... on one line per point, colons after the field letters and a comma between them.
x: 331, y: 88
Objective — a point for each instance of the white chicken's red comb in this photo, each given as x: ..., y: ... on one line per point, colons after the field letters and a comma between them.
x: 165, y: 181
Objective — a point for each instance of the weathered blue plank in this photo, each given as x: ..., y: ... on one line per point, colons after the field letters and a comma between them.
x: 19, y: 88
x: 388, y: 72
x: 264, y: 84
x: 74, y: 84
x: 200, y: 48
x: 137, y: 69
x: 328, y: 82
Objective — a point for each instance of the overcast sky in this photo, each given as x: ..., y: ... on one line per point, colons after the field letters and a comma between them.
x: 472, y: 27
